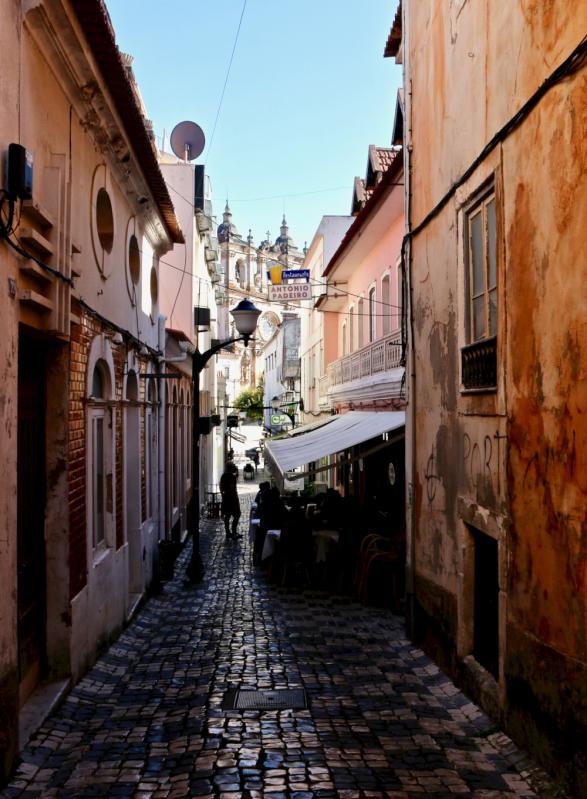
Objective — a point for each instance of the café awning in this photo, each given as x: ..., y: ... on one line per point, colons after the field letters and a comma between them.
x: 343, y: 432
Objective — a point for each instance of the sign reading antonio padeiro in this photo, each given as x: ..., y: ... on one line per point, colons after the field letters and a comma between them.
x: 287, y: 292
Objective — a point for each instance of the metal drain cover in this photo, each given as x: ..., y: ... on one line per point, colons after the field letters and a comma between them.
x: 280, y: 699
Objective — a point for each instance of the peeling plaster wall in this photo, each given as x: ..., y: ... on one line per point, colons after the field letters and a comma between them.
x: 512, y: 462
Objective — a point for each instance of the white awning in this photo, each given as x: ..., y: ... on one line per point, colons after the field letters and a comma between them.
x: 342, y: 432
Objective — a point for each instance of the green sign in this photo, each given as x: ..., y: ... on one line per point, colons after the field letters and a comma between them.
x: 277, y: 418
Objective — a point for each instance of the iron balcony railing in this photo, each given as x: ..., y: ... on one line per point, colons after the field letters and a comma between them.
x: 479, y: 364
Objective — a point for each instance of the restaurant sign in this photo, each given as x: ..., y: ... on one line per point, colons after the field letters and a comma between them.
x: 290, y: 291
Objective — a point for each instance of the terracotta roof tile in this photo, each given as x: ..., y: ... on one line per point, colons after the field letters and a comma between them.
x: 394, y: 39
x: 368, y: 208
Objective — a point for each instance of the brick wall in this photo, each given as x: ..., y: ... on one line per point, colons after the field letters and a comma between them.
x: 81, y: 335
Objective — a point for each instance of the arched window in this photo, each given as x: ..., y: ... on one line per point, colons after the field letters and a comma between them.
x: 372, y: 315
x: 99, y: 432
x: 175, y: 451
x: 99, y: 379
x: 351, y: 329
x: 344, y: 350
x: 182, y: 449
x: 132, y: 387
x: 150, y: 447
x: 360, y: 323
x: 240, y: 272
x: 400, y: 296
x: 385, y: 305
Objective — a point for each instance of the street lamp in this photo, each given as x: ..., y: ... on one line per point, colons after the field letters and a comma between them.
x: 245, y: 317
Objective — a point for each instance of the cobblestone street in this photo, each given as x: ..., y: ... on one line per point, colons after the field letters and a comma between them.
x: 148, y: 719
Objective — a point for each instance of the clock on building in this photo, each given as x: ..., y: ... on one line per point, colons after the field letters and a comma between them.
x: 268, y: 324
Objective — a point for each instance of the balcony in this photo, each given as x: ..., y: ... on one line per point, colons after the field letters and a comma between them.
x: 380, y: 356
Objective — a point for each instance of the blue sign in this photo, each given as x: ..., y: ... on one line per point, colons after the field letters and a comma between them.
x: 293, y: 274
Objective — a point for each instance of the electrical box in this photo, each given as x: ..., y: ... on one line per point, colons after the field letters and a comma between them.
x: 232, y: 421
x: 19, y: 172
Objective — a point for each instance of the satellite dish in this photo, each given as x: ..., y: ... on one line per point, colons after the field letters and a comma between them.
x: 187, y: 140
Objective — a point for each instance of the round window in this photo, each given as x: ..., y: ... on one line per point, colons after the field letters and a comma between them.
x: 104, y: 220
x: 134, y: 259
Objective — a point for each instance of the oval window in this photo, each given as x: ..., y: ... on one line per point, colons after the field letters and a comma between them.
x: 134, y: 259
x: 154, y: 286
x: 104, y: 220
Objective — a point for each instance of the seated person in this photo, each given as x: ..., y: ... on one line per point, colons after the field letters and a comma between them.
x: 272, y: 514
x: 332, y: 510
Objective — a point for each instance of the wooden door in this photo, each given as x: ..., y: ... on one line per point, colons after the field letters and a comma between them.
x: 31, y: 515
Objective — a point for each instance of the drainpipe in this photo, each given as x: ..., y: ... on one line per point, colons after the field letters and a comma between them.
x: 411, y: 361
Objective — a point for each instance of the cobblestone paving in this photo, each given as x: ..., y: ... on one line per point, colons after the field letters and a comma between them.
x: 148, y: 719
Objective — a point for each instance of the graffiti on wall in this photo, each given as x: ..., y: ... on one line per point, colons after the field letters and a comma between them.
x: 431, y: 477
x: 482, y: 464
x: 549, y: 458
x: 482, y: 459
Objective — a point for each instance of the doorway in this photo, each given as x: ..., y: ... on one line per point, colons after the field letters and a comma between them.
x: 31, y: 567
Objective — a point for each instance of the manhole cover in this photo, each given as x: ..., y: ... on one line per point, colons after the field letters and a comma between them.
x: 280, y: 699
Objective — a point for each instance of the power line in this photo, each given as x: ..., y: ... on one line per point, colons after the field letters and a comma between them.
x: 293, y: 194
x: 226, y: 79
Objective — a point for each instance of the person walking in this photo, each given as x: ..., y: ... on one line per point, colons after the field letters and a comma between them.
x: 230, y: 505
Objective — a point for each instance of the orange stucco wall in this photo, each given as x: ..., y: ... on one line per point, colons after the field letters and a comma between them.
x: 510, y: 462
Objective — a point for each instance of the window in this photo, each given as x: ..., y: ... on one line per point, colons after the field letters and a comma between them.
x: 104, y: 220
x: 372, y: 314
x: 385, y: 306
x: 482, y: 270
x: 149, y: 450
x: 351, y: 329
x: 400, y: 296
x: 479, y: 357
x: 344, y: 338
x: 134, y: 259
x: 98, y: 479
x: 154, y: 286
x: 360, y: 323
x: 98, y: 449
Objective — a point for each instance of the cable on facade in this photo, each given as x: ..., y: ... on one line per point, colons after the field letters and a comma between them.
x: 566, y: 69
x: 569, y: 66
x: 7, y: 229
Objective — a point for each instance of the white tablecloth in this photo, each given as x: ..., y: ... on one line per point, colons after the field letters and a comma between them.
x: 270, y: 543
x: 324, y: 540
x: 253, y: 527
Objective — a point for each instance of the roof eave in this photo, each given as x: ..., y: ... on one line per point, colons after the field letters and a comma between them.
x: 369, y: 208
x: 96, y: 26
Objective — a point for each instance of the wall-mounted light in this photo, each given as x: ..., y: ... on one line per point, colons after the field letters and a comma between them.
x: 117, y: 338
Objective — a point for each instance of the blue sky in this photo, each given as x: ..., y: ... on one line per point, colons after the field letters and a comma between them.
x: 308, y: 91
